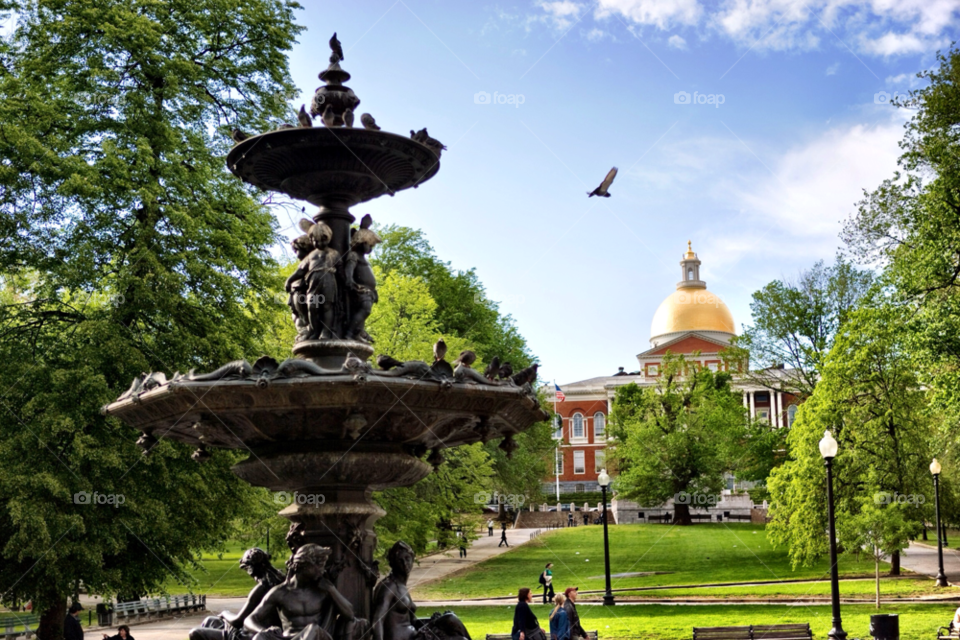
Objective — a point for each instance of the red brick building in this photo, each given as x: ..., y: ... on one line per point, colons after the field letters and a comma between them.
x: 690, y: 321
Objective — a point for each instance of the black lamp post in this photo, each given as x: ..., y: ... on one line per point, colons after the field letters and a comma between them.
x: 604, y: 481
x: 828, y: 449
x: 935, y: 469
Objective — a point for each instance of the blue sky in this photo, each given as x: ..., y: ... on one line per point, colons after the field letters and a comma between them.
x: 760, y: 183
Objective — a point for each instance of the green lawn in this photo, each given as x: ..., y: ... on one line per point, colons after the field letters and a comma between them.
x: 708, y: 553
x: 221, y: 575
x: 662, y: 622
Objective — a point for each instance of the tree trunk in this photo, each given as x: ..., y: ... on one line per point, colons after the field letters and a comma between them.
x: 681, y: 514
x: 877, y: 564
x: 51, y: 621
x: 924, y: 532
x: 895, y: 563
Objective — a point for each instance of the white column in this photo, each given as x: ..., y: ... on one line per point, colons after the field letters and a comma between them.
x: 745, y: 403
x: 779, y: 400
x: 753, y: 407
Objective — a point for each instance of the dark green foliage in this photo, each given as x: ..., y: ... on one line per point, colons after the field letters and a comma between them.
x: 125, y: 246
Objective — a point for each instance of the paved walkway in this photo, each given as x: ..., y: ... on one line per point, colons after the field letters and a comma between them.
x: 443, y: 564
x: 922, y: 558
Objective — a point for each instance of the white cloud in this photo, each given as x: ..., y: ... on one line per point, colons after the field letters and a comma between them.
x: 677, y: 42
x: 832, y: 69
x: 876, y: 27
x: 908, y: 79
x: 663, y: 14
x: 595, y: 35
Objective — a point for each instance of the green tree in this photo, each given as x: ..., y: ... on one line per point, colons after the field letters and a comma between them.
x: 677, y: 438
x: 132, y: 249
x: 796, y: 322
x: 870, y: 399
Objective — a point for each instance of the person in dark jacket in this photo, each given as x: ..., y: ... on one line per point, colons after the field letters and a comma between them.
x: 123, y: 633
x: 71, y: 624
x: 576, y: 631
x: 525, y: 624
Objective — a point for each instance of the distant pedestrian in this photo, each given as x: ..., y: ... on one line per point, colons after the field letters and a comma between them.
x: 463, y: 548
x: 71, y: 624
x: 559, y: 622
x: 570, y: 519
x: 546, y: 580
x: 570, y: 606
x: 525, y: 624
x: 123, y: 633
x: 503, y: 535
x: 490, y: 528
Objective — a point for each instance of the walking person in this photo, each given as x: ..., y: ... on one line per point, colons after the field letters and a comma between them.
x: 525, y: 624
x: 570, y: 606
x: 559, y: 622
x: 490, y: 528
x: 546, y: 579
x: 71, y: 624
x: 503, y: 535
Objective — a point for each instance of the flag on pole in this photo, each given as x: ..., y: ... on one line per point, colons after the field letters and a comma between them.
x: 560, y: 396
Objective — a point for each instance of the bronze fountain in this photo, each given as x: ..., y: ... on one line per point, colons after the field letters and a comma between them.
x: 326, y: 422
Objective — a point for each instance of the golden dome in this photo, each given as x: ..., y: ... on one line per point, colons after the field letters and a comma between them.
x: 692, y: 309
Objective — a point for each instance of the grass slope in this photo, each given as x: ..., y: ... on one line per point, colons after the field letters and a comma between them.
x: 702, y: 554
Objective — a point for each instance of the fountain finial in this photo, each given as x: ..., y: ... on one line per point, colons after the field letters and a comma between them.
x: 334, y: 92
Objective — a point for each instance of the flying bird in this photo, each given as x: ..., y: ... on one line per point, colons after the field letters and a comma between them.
x: 348, y: 118
x: 304, y: 118
x: 439, y: 350
x: 335, y: 46
x: 386, y: 362
x: 329, y: 117
x: 466, y: 358
x: 492, y: 369
x: 368, y: 122
x: 238, y: 135
x: 605, y: 185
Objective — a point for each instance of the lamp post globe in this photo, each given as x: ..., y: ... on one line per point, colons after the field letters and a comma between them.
x: 935, y: 469
x: 604, y: 481
x: 828, y: 449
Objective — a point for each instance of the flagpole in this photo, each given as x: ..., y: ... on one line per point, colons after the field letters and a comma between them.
x: 556, y: 462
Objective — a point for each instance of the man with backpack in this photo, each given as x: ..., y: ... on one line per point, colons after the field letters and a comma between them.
x: 546, y: 581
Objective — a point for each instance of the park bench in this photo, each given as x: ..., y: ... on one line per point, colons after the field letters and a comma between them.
x: 666, y: 517
x: 17, y: 625
x: 948, y: 633
x: 701, y: 516
x: 755, y: 632
x: 591, y: 635
x: 741, y: 518
x: 158, y: 607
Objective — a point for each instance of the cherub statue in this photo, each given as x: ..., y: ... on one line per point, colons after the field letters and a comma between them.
x: 361, y: 283
x: 308, y: 604
x: 302, y: 246
x: 229, y: 626
x: 318, y: 273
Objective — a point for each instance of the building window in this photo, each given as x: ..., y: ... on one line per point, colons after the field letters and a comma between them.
x: 791, y: 414
x: 653, y: 370
x: 763, y: 415
x: 761, y: 396
x: 689, y: 274
x: 713, y: 366
x: 558, y: 463
x: 558, y: 427
x: 599, y: 424
x: 579, y: 462
x: 577, y: 426
x: 578, y: 488
x: 599, y: 460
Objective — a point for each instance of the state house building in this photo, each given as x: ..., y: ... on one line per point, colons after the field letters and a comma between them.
x: 691, y: 321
